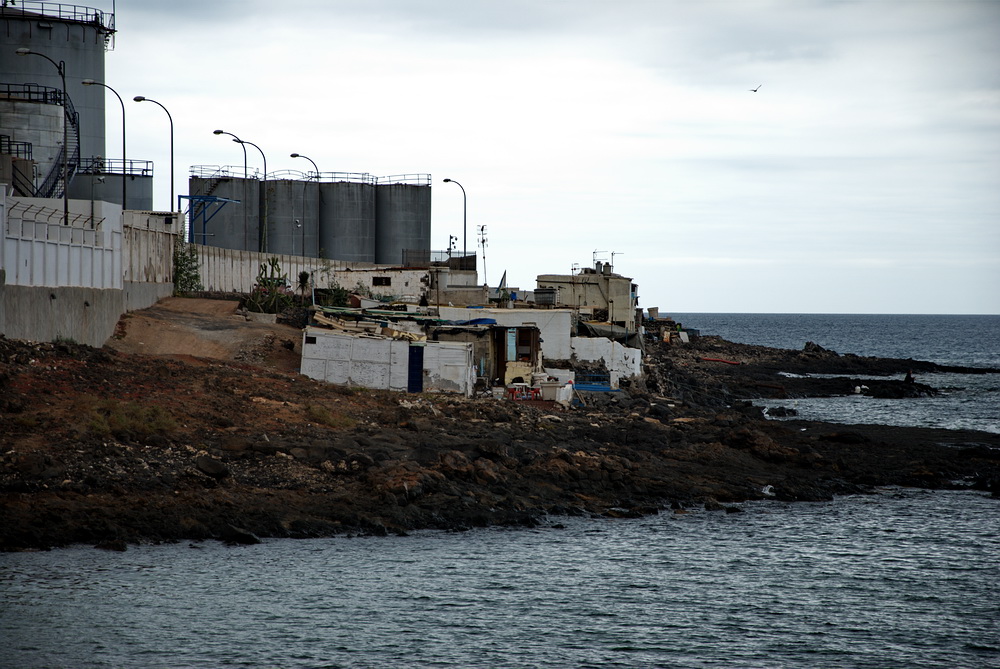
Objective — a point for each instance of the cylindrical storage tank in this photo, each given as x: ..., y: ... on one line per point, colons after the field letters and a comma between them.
x: 403, y: 221
x: 72, y: 34
x: 292, y: 217
x: 229, y: 225
x: 347, y: 220
x: 107, y: 186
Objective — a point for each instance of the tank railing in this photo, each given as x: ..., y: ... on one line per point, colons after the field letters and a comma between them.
x: 326, y: 177
x: 236, y: 172
x: 412, y: 179
x: 98, y: 165
x: 59, y: 10
x: 31, y: 93
x: 223, y: 172
x: 16, y: 149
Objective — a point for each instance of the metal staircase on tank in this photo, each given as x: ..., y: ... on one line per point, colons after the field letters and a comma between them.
x: 23, y: 183
x: 54, y: 185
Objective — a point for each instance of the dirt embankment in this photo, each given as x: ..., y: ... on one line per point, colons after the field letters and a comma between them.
x: 207, y: 433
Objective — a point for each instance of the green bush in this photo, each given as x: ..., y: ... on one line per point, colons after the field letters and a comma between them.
x: 270, y: 295
x: 187, y: 279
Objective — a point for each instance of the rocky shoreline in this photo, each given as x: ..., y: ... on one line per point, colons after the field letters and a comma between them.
x: 111, y: 449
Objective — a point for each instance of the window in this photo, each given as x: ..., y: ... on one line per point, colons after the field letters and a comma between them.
x: 381, y: 281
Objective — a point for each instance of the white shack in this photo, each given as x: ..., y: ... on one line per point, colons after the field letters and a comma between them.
x: 388, y: 364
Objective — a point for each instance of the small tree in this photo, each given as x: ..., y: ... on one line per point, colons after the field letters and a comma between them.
x: 303, y: 286
x: 187, y: 278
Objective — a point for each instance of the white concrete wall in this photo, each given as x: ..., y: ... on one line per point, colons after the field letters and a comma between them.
x: 231, y: 270
x: 554, y: 325
x: 375, y: 362
x: 407, y: 285
x: 449, y: 367
x: 367, y: 362
x: 75, y: 281
x: 621, y: 361
x: 148, y: 247
x: 38, y: 250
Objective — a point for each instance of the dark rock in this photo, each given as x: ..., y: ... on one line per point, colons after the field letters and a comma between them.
x: 112, y: 545
x: 211, y: 467
x: 712, y: 504
x: 846, y: 437
x: 239, y: 536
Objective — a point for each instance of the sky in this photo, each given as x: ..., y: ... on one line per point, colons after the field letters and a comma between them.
x: 862, y: 176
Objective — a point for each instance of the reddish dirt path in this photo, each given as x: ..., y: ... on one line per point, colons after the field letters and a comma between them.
x: 191, y: 328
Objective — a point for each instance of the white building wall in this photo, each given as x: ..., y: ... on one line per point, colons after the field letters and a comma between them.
x: 407, y: 285
x: 554, y: 325
x: 376, y: 362
x: 621, y: 361
x: 449, y: 366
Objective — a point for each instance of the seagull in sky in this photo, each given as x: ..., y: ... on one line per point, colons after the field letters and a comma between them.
x: 754, y: 90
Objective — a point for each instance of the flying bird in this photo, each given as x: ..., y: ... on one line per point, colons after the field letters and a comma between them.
x: 754, y: 90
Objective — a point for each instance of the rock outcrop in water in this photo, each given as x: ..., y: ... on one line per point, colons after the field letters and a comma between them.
x: 109, y: 448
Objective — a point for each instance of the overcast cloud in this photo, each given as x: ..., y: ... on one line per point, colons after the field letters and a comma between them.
x: 863, y: 176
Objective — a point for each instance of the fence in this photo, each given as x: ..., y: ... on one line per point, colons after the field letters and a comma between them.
x: 38, y: 250
x: 231, y: 270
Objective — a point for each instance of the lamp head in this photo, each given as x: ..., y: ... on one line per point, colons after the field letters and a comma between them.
x: 447, y: 181
x: 294, y: 155
x: 88, y: 82
x: 23, y: 51
x: 217, y: 132
x: 138, y: 98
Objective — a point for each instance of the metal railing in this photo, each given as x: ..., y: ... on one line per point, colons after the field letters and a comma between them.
x: 325, y: 177
x: 425, y: 258
x: 98, y: 165
x: 411, y: 179
x: 36, y: 9
x: 16, y: 149
x: 37, y: 93
x: 236, y: 172
x: 223, y: 172
x: 31, y: 93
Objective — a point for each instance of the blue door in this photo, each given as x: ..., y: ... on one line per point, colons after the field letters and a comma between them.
x: 415, y: 370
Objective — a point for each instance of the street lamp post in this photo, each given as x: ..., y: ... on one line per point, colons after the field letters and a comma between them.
x: 246, y: 174
x: 61, y: 67
x: 263, y: 245
x: 238, y: 141
x: 91, y: 82
x: 315, y: 167
x: 299, y: 155
x: 482, y: 240
x: 464, y: 217
x: 140, y: 98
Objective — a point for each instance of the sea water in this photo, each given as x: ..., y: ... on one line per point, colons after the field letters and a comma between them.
x: 965, y: 401
x: 902, y: 578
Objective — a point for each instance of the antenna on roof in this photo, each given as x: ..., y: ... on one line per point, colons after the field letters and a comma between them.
x: 613, y: 254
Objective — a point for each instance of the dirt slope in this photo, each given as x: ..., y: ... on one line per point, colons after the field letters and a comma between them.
x: 191, y: 328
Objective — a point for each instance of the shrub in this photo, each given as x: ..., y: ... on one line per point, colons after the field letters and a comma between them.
x: 123, y: 420
x: 187, y: 279
x: 324, y: 416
